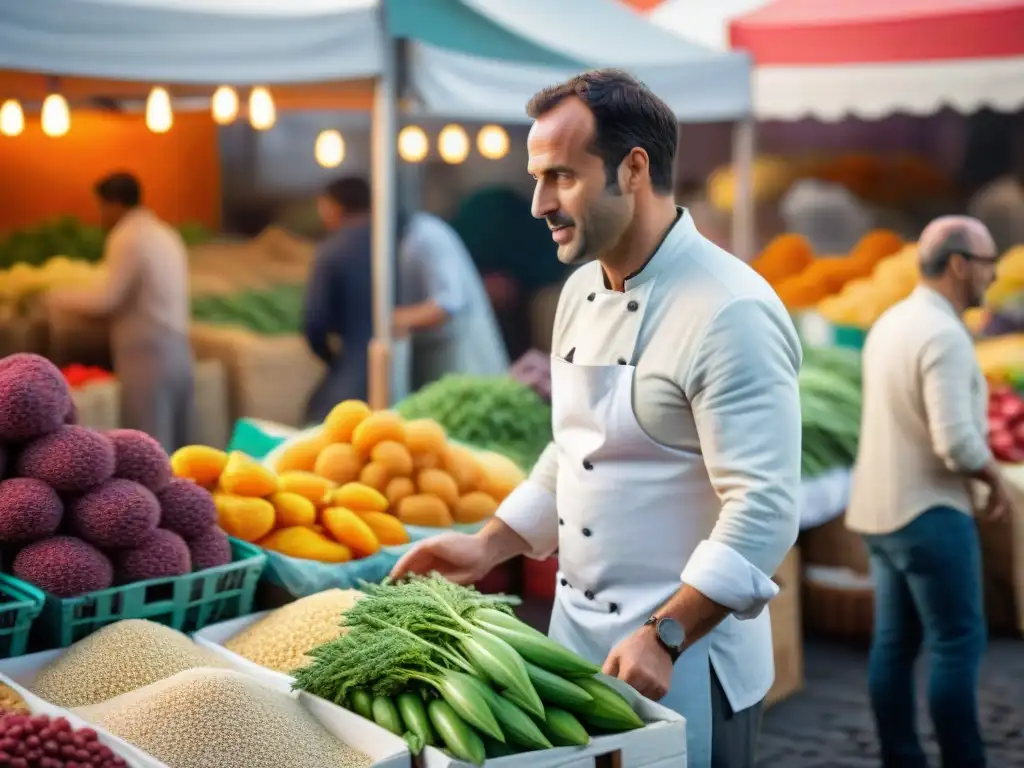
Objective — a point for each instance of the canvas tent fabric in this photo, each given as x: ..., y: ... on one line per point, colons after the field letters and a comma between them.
x: 483, y: 59
x: 240, y: 42
x: 832, y: 59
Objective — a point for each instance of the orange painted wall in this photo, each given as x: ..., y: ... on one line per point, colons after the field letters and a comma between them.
x: 43, y: 177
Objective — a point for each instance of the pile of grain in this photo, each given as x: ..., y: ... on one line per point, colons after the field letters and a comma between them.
x: 281, y: 640
x: 117, y: 659
x: 213, y: 718
x: 11, y: 701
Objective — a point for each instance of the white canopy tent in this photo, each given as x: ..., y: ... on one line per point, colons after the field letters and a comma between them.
x: 468, y: 59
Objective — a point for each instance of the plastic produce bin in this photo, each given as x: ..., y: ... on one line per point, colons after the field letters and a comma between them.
x: 20, y: 605
x: 185, y: 603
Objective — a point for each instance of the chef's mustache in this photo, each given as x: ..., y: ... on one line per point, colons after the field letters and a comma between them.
x: 557, y: 220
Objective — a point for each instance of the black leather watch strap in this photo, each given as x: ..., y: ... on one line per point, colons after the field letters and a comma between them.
x: 673, y: 651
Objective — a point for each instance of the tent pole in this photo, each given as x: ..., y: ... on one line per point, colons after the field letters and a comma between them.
x: 744, y: 139
x: 383, y: 183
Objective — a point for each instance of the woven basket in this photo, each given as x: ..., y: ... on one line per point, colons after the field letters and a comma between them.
x: 838, y: 603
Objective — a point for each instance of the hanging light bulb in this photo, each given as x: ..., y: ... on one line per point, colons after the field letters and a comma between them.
x: 56, y: 117
x: 159, y: 115
x: 492, y: 142
x: 12, y: 118
x: 262, y: 114
x: 224, y: 105
x: 412, y: 144
x: 329, y: 149
x: 453, y: 144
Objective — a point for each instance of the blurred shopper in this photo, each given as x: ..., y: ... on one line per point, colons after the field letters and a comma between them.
x: 670, y: 489
x: 339, y: 297
x: 446, y: 310
x: 145, y: 295
x: 923, y: 438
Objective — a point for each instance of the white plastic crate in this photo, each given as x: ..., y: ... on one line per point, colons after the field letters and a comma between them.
x: 659, y: 745
x: 384, y: 748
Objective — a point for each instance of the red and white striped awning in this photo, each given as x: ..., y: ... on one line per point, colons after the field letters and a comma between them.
x: 831, y: 59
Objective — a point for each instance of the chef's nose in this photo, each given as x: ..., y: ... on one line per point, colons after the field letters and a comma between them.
x: 545, y: 201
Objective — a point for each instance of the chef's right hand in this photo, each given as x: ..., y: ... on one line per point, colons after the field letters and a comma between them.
x: 459, y: 557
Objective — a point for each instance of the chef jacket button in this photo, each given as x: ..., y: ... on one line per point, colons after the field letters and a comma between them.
x: 563, y: 582
x: 622, y: 361
x: 613, y: 608
x: 586, y: 531
x: 561, y: 521
x: 632, y: 306
x: 591, y: 297
x: 587, y: 465
x: 589, y: 595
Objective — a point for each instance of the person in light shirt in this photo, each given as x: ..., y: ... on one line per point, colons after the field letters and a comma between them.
x: 145, y: 297
x: 670, y: 488
x: 923, y: 439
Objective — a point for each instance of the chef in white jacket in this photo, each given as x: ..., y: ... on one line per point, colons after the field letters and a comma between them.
x: 670, y: 489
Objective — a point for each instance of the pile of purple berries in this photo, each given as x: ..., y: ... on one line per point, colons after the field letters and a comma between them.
x: 39, y: 741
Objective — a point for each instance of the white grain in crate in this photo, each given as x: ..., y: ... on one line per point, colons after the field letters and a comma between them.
x: 18, y: 673
x: 662, y: 743
x: 385, y: 749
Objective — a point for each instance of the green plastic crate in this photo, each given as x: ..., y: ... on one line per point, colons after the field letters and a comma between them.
x: 186, y: 603
x: 20, y: 605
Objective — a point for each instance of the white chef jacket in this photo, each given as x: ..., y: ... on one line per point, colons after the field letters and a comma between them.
x: 717, y: 359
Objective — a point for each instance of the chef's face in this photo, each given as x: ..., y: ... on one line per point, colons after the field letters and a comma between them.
x: 585, y: 213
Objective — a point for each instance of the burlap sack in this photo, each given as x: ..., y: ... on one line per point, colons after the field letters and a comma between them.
x: 275, y: 257
x: 212, y: 410
x: 99, y: 404
x: 787, y: 631
x: 269, y: 377
x: 78, y: 339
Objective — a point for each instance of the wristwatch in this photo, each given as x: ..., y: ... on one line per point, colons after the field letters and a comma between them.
x: 670, y: 634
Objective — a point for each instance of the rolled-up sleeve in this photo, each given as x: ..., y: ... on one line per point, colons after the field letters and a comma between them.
x: 743, y: 388
x: 948, y: 365
x: 530, y: 509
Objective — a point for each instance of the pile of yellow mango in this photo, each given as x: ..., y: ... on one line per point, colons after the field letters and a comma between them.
x: 803, y: 280
x: 1009, y: 283
x: 351, y: 486
x: 23, y: 280
x: 295, y: 513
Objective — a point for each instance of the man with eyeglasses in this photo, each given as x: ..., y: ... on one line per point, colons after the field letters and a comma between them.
x: 923, y: 440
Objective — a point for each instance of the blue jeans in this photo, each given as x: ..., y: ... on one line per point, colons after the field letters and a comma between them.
x: 928, y: 588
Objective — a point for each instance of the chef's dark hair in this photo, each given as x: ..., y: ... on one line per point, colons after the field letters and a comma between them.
x: 120, y: 189
x: 350, y: 192
x: 626, y: 115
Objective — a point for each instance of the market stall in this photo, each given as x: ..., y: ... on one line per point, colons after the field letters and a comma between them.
x: 832, y: 60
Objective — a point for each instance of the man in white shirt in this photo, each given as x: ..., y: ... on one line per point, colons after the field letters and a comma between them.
x: 923, y: 438
x: 445, y: 308
x: 145, y: 296
x: 670, y: 489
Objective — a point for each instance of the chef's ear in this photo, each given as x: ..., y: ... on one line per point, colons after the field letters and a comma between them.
x: 634, y: 170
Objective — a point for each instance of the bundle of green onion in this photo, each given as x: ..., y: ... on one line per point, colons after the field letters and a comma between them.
x: 445, y: 666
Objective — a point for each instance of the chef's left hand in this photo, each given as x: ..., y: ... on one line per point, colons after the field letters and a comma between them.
x: 642, y: 662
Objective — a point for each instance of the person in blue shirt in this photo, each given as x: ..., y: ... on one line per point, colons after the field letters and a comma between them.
x: 339, y: 296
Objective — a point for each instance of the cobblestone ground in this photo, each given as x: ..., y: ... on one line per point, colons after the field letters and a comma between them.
x: 828, y: 724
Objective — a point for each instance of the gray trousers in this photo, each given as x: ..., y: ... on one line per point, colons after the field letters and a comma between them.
x: 158, y: 388
x: 733, y: 734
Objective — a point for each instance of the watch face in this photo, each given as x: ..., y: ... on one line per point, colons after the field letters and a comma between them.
x: 671, y: 632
